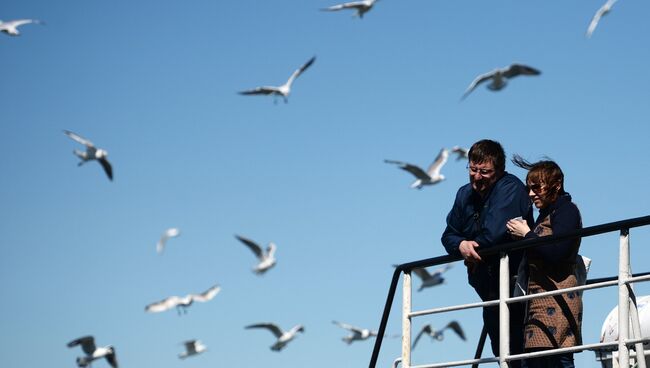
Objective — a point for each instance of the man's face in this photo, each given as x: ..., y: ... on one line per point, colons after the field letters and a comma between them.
x: 482, y: 176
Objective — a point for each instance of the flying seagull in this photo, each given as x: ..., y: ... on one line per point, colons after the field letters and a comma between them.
x: 283, y: 90
x: 168, y: 234
x: 602, y: 11
x: 267, y: 258
x: 431, y: 279
x: 283, y: 337
x: 91, y: 153
x: 461, y: 153
x: 358, y: 334
x: 438, y: 335
x: 361, y: 7
x: 182, y: 303
x: 431, y: 176
x: 93, y: 352
x: 499, y: 77
x: 11, y: 27
x: 192, y: 347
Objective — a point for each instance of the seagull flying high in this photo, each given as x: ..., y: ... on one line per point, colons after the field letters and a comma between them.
x: 283, y: 337
x: 91, y: 153
x: 358, y: 334
x: 267, y: 258
x: 361, y: 7
x: 499, y: 77
x: 603, y: 10
x: 438, y: 335
x: 92, y: 352
x: 192, y: 347
x: 11, y: 27
x: 431, y: 279
x: 168, y: 234
x: 462, y: 153
x: 431, y: 176
x: 283, y: 90
x: 181, y: 304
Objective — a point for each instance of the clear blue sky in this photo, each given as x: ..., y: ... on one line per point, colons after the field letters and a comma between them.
x: 155, y: 84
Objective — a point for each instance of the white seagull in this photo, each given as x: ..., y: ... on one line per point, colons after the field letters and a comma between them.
x: 461, y: 153
x: 11, y: 27
x: 431, y: 176
x: 361, y: 7
x: 283, y: 90
x: 168, y: 234
x: 182, y: 303
x: 358, y: 334
x: 91, y: 153
x: 283, y: 337
x: 438, y: 335
x: 499, y: 77
x: 93, y: 352
x: 267, y: 258
x: 602, y: 11
x: 192, y: 347
x: 431, y: 279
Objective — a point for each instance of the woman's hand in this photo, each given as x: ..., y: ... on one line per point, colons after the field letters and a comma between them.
x: 517, y: 227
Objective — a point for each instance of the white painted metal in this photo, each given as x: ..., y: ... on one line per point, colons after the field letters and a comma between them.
x: 504, y: 314
x: 623, y: 299
x: 406, y: 320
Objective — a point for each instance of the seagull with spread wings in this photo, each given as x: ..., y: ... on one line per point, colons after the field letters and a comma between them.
x: 93, y: 352
x: 602, y: 11
x: 91, y: 153
x: 361, y: 7
x: 461, y: 153
x: 266, y: 258
x: 499, y: 77
x: 431, y: 176
x: 358, y: 334
x: 182, y: 303
x: 283, y: 337
x: 168, y: 234
x: 10, y: 27
x: 192, y: 347
x: 431, y: 279
x: 438, y: 334
x: 283, y: 90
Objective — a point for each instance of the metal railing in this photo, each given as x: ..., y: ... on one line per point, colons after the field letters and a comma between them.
x: 623, y: 280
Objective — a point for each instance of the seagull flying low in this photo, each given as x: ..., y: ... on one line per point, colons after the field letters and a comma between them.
x: 603, y: 10
x: 267, y: 259
x: 499, y: 77
x: 168, y: 234
x: 362, y: 7
x: 431, y: 176
x: 92, y: 352
x: 192, y: 347
x: 358, y: 334
x: 438, y: 335
x: 432, y: 279
x: 11, y: 27
x: 283, y: 90
x: 91, y: 153
x: 283, y: 337
x: 182, y: 303
x: 461, y: 153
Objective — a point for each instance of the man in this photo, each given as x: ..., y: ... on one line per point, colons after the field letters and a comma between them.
x: 478, y: 221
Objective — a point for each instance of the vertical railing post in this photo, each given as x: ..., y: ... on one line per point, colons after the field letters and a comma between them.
x: 623, y: 299
x: 504, y: 315
x: 406, y: 320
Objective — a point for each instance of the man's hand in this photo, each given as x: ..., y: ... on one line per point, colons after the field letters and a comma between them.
x: 467, y: 250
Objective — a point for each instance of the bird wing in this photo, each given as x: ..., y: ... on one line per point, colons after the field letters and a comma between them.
x: 162, y: 305
x: 269, y: 326
x: 460, y: 151
x: 352, y: 4
x: 425, y: 329
x: 455, y: 326
x: 79, y: 138
x: 190, y: 346
x: 436, y: 165
x: 169, y: 233
x: 415, y: 170
x: 87, y: 344
x: 266, y: 90
x: 599, y: 14
x: 206, y: 295
x: 107, y: 167
x: 441, y: 270
x: 422, y: 273
x: 112, y: 359
x: 300, y: 70
x: 520, y: 69
x: 478, y: 80
x: 252, y: 245
x: 20, y: 22
x: 347, y: 326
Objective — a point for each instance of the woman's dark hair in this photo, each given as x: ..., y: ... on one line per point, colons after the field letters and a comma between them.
x: 487, y: 150
x: 545, y: 172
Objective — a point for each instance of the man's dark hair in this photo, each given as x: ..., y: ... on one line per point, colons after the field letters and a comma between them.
x: 487, y: 150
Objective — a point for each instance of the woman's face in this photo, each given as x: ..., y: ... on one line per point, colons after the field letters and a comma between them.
x: 539, y: 194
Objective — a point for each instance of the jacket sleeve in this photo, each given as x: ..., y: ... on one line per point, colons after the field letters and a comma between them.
x: 563, y: 220
x: 452, y: 236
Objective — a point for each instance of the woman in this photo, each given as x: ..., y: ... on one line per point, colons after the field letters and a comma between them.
x: 554, y: 321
